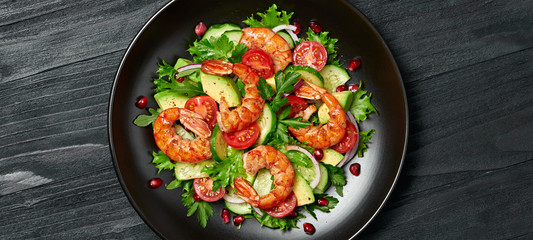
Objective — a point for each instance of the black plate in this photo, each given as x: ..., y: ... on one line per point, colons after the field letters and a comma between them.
x: 168, y: 34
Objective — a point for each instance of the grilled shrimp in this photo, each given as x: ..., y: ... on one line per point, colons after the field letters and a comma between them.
x: 273, y: 44
x: 280, y: 167
x: 326, y: 135
x: 252, y: 103
x: 174, y: 146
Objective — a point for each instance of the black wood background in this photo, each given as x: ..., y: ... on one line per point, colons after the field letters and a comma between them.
x: 467, y: 67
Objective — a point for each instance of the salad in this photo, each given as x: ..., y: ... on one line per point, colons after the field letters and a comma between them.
x: 259, y: 118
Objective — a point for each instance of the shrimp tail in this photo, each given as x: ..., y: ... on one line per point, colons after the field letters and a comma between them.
x: 246, y: 191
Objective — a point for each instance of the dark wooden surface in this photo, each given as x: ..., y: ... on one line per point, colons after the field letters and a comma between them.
x: 467, y: 67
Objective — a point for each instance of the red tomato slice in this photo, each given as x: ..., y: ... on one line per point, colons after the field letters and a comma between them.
x: 349, y: 140
x: 244, y: 138
x: 297, y: 104
x: 203, y: 187
x: 283, y: 209
x: 310, y: 53
x: 205, y: 106
x: 260, y: 62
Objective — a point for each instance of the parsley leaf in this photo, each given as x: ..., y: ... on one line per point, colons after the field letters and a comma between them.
x: 327, y: 42
x: 237, y: 53
x: 144, y: 120
x: 270, y: 18
x: 165, y: 70
x: 205, y: 210
x: 281, y: 223
x: 212, y: 48
x: 361, y: 105
x: 295, y: 122
x: 265, y: 91
x: 240, y: 86
x: 174, y: 184
x: 162, y: 161
x: 223, y: 173
x: 364, y: 138
x: 284, y: 84
x: 336, y: 177
x: 332, y: 202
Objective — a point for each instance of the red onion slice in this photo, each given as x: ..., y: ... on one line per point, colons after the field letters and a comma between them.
x: 315, y: 181
x: 258, y: 211
x: 189, y: 67
x: 350, y: 154
x: 290, y: 30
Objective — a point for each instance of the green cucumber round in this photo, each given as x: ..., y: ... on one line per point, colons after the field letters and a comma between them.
x: 218, y: 145
x: 287, y: 38
x: 267, y: 125
x: 334, y: 76
x: 308, y: 74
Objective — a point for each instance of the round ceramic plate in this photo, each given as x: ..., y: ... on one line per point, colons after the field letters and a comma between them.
x: 167, y: 35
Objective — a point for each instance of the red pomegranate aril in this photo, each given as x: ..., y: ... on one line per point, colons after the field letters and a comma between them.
x: 237, y: 220
x: 319, y: 154
x: 355, y: 169
x: 316, y: 27
x: 196, y: 197
x: 298, y: 27
x: 354, y: 64
x: 141, y: 102
x: 200, y: 29
x: 309, y: 228
x: 178, y: 79
x: 342, y: 88
x: 293, y: 214
x: 353, y: 87
x: 156, y: 183
x: 225, y: 215
x: 322, y: 201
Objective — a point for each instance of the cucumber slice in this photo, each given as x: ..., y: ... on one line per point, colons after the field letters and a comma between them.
x: 217, y: 30
x: 234, y: 36
x: 323, y: 183
x: 309, y: 174
x: 239, y: 208
x: 287, y: 38
x: 186, y: 171
x: 183, y: 133
x: 308, y: 74
x: 264, y: 182
x: 334, y: 76
x: 267, y: 124
x: 219, y: 147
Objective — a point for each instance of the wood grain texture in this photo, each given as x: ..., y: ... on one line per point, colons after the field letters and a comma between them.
x: 467, y: 67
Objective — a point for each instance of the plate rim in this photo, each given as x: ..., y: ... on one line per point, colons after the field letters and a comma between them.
x: 143, y: 29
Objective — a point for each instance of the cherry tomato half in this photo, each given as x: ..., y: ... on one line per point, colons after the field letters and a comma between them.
x: 349, y: 140
x: 260, y: 62
x: 204, y: 188
x: 297, y: 104
x: 205, y: 106
x: 244, y: 138
x: 310, y: 53
x: 283, y: 209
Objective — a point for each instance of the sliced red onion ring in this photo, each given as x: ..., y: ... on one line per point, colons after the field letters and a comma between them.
x: 290, y: 30
x: 315, y: 181
x: 296, y: 86
x: 258, y: 211
x: 284, y: 27
x: 189, y: 67
x: 350, y: 154
x: 232, y: 198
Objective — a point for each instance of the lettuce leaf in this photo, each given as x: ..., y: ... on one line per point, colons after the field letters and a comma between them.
x: 270, y: 18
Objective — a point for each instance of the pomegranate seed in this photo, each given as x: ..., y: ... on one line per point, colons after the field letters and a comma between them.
x: 353, y: 87
x: 319, y: 154
x: 355, y: 169
x: 298, y: 27
x: 342, y: 88
x: 293, y: 214
x: 156, y: 183
x: 316, y: 27
x: 200, y: 29
x: 309, y: 228
x: 225, y: 215
x: 354, y: 64
x: 237, y: 220
x: 196, y: 197
x: 322, y: 201
x: 141, y: 102
x: 178, y: 79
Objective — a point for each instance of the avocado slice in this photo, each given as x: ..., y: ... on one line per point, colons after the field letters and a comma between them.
x: 169, y: 99
x: 302, y: 190
x: 331, y: 157
x: 345, y: 100
x: 220, y: 86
